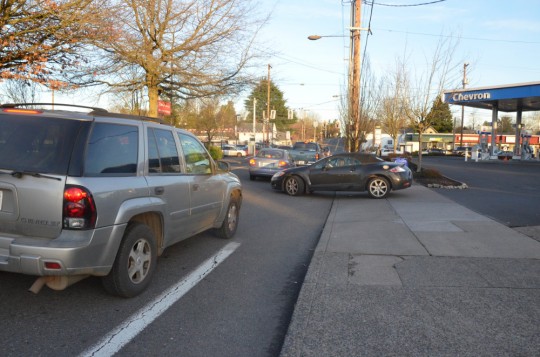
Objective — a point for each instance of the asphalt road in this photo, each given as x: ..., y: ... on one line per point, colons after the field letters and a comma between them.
x: 241, y: 308
x: 507, y: 191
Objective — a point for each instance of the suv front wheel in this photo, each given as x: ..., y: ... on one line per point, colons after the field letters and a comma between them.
x: 230, y: 223
x: 135, y: 262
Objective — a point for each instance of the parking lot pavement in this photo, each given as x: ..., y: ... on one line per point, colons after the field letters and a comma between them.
x: 417, y: 274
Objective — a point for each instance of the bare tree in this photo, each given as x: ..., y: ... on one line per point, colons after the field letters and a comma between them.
x: 370, y: 96
x: 181, y: 49
x: 20, y: 91
x: 203, y: 116
x: 392, y: 111
x: 41, y: 38
x: 532, y: 122
x: 428, y: 85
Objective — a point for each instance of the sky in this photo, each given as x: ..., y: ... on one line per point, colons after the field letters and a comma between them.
x: 499, y: 39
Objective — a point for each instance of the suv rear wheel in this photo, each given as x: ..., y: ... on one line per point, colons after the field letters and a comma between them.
x: 135, y: 262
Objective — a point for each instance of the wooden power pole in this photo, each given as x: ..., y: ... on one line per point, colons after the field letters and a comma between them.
x: 355, y: 85
x: 268, y: 105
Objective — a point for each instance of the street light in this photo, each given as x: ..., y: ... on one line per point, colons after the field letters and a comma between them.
x: 318, y: 37
x: 465, y: 81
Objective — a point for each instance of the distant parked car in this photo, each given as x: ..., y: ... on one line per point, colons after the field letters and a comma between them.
x: 462, y: 150
x: 504, y: 154
x: 269, y: 161
x: 436, y: 151
x: 345, y: 172
x: 231, y: 150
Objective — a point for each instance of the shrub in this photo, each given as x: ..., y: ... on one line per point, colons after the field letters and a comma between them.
x: 430, y: 173
x: 215, y: 152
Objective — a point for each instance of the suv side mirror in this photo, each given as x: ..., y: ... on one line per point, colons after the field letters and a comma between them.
x: 223, y: 166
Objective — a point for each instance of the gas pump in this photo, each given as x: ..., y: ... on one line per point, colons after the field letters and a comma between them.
x: 526, y: 150
x: 483, y: 151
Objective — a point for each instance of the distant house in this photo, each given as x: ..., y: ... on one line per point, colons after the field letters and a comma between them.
x: 244, y: 133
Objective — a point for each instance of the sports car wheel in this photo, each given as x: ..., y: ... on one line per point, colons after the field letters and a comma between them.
x: 294, y: 186
x: 378, y: 187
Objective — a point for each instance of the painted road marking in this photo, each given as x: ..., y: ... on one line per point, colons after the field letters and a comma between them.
x: 120, y: 336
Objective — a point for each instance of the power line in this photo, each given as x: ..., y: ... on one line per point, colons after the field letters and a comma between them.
x: 368, y: 34
x: 461, y: 37
x: 407, y: 5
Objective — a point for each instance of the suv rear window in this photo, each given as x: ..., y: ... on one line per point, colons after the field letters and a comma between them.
x: 305, y: 146
x: 112, y: 150
x: 37, y: 144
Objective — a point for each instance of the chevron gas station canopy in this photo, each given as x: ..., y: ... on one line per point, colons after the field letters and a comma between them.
x: 516, y: 98
x: 508, y: 98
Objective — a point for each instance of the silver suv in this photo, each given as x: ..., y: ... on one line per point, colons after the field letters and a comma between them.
x: 103, y: 194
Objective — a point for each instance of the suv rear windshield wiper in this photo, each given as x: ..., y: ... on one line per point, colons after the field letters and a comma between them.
x: 19, y: 174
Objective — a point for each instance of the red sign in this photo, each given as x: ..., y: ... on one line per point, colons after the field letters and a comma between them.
x: 163, y: 107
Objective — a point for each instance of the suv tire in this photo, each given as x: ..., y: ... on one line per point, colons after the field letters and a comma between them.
x: 135, y: 262
x: 230, y: 223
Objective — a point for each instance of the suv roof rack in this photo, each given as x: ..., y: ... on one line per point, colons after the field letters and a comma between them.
x: 16, y: 105
x: 95, y: 111
x: 129, y: 116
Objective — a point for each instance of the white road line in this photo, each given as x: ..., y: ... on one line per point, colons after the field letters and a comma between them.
x: 120, y: 336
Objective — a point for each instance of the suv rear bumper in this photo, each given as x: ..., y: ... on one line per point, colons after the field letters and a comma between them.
x: 90, y: 252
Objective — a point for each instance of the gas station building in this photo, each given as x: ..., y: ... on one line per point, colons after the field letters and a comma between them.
x: 512, y: 98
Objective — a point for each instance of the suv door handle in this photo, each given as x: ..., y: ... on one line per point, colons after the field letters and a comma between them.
x: 195, y: 187
x: 159, y: 190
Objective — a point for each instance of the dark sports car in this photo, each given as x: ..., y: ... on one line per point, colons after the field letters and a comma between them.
x: 345, y: 172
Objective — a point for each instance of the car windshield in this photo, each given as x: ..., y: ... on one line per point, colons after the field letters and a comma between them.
x: 37, y: 144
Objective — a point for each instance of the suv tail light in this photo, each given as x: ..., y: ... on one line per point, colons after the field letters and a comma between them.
x: 317, y: 156
x: 79, y: 208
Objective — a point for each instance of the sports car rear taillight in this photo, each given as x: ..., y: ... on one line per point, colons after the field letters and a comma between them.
x: 79, y: 208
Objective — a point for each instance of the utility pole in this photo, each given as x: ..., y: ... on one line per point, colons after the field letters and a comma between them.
x: 268, y: 103
x: 355, y: 86
x: 253, y: 142
x: 463, y: 107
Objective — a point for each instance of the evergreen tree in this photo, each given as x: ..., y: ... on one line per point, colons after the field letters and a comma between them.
x: 440, y: 116
x: 277, y: 103
x: 505, y: 125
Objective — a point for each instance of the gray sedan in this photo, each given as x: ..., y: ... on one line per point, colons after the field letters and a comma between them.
x: 269, y: 161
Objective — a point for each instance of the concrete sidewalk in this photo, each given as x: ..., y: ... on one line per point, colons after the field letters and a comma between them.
x: 417, y: 275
